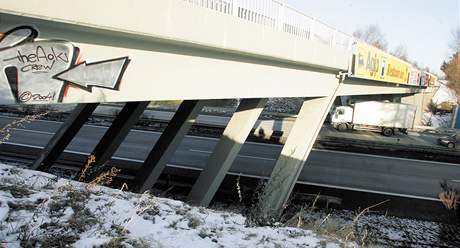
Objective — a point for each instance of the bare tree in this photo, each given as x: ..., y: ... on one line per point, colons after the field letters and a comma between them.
x: 451, y: 67
x: 400, y: 52
x: 373, y: 36
x: 455, y: 45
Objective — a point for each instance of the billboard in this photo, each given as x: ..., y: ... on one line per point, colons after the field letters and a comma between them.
x: 425, y: 80
x: 374, y: 64
x: 433, y: 80
x: 415, y: 76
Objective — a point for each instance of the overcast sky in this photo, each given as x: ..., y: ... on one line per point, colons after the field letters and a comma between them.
x: 424, y: 26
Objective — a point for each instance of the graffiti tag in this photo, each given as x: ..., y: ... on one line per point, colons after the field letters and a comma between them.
x: 40, y: 71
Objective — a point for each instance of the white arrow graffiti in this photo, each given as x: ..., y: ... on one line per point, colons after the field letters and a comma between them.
x: 102, y: 74
x: 40, y: 71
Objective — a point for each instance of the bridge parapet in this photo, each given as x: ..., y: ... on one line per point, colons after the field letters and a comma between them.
x: 282, y: 17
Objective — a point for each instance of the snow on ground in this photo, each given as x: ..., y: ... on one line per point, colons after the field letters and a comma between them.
x: 444, y: 94
x: 438, y: 120
x: 39, y: 209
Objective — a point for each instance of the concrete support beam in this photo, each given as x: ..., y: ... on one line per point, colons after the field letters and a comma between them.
x: 167, y: 144
x: 293, y: 156
x: 417, y: 100
x: 225, y: 152
x: 64, y: 136
x: 113, y: 137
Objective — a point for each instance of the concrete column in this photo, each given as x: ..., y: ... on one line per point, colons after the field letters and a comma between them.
x: 167, y: 144
x: 114, y: 136
x: 417, y: 100
x: 294, y: 155
x: 225, y: 152
x: 64, y: 136
x: 455, y: 117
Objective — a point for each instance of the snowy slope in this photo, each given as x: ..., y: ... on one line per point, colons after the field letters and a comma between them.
x: 40, y: 209
x: 444, y: 94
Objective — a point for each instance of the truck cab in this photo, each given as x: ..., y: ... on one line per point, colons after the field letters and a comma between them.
x: 342, y: 118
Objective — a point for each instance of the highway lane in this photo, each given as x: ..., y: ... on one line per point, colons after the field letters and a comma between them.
x: 284, y: 124
x: 362, y: 172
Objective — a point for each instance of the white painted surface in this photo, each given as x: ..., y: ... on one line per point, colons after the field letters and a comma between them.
x: 182, y: 51
x: 384, y: 114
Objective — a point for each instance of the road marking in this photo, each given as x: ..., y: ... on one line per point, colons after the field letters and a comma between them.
x: 242, y: 156
x: 32, y: 131
x: 264, y: 144
x: 370, y: 191
x: 387, y: 157
x: 145, y: 131
x: 252, y: 176
x: 259, y: 144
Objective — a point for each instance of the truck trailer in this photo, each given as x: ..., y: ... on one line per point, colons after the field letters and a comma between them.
x: 384, y: 117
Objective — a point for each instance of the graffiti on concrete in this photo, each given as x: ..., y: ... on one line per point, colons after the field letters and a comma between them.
x: 39, y: 71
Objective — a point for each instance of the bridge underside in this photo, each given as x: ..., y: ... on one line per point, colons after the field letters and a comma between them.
x: 354, y: 87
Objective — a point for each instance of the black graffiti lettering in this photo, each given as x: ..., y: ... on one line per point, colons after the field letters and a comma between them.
x: 25, y: 96
x: 41, y: 55
x: 28, y: 96
x: 37, y: 68
x: 66, y: 59
x: 22, y: 58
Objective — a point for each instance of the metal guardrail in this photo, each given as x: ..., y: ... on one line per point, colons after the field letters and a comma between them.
x: 279, y: 16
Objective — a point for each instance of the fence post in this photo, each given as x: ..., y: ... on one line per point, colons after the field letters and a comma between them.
x: 280, y: 20
x: 351, y: 40
x: 235, y: 8
x: 334, y: 39
x: 312, y: 29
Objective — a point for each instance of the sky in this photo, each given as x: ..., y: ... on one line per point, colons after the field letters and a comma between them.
x: 425, y: 27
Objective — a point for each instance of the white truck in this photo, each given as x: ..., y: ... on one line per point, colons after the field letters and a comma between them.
x: 385, y: 117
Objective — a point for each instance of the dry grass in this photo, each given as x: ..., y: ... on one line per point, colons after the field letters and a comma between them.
x: 88, y: 164
x: 105, y: 178
x: 450, y: 199
x: 5, y: 132
x: 330, y: 227
x: 450, y: 196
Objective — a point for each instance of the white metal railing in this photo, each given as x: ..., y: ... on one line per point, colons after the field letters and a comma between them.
x: 279, y: 16
x: 223, y: 6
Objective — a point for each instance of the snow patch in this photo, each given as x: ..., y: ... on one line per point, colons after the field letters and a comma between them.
x: 37, y: 207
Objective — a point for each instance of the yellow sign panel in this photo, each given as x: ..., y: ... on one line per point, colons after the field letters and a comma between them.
x: 433, y: 80
x: 374, y: 64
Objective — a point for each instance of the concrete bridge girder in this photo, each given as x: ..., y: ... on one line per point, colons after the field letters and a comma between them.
x: 167, y: 144
x: 294, y: 155
x: 64, y: 136
x: 225, y: 152
x: 353, y: 87
x: 112, y: 139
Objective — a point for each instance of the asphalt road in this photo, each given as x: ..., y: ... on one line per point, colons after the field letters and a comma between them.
x: 415, y: 139
x: 361, y: 172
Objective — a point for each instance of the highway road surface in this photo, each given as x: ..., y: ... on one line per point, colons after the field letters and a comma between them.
x: 284, y: 124
x: 336, y: 169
